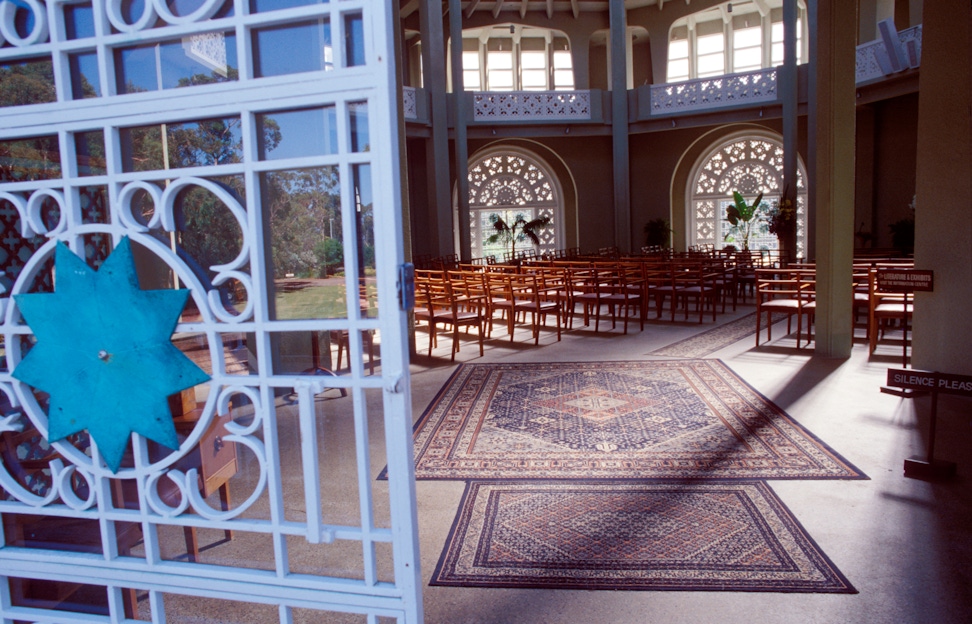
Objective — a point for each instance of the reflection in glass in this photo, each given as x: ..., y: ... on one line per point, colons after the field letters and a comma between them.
x: 85, y: 81
x: 261, y: 6
x: 365, y: 230
x: 204, y: 142
x: 297, y: 133
x: 307, y: 256
x: 208, y: 235
x: 23, y: 160
x: 27, y: 82
x: 354, y: 39
x: 189, y: 144
x: 198, y: 59
x: 79, y: 21
x: 294, y: 48
x: 142, y: 148
x: 89, y: 147
x: 358, y: 122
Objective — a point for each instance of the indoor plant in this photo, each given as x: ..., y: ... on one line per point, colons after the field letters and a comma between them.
x: 745, y: 219
x: 518, y: 230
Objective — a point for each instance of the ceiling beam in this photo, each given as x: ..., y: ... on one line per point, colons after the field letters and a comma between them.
x: 661, y: 4
x: 549, y: 9
x: 497, y: 8
x: 471, y: 8
x: 575, y: 8
x: 524, y: 4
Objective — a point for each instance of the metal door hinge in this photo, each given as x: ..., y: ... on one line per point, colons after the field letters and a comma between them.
x: 406, y: 286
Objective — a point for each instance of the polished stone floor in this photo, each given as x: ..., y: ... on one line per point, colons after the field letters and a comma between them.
x: 905, y: 544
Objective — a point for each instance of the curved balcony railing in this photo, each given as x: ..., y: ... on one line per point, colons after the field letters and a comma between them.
x: 492, y: 106
x: 752, y: 87
x: 409, y: 103
x: 891, y: 53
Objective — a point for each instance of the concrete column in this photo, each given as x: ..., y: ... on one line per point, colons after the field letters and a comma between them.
x: 788, y: 93
x: 580, y: 56
x: 832, y: 95
x: 437, y: 151
x: 459, y: 114
x: 619, y: 126
x: 943, y: 217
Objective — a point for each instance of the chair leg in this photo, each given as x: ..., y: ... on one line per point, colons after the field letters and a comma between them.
x: 224, y: 504
x: 759, y: 316
x: 192, y: 543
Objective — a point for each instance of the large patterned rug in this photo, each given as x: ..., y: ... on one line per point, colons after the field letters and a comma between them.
x: 680, y: 419
x: 657, y: 536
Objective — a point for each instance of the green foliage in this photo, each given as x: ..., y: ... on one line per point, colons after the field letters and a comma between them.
x: 302, y: 205
x: 518, y: 231
x: 745, y: 219
x: 330, y: 255
x: 30, y: 82
x: 659, y: 232
x: 209, y: 233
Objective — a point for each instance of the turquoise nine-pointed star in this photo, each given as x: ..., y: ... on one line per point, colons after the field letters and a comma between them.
x: 104, y: 353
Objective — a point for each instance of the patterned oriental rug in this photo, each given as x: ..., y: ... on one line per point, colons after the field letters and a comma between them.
x: 679, y: 419
x: 657, y: 536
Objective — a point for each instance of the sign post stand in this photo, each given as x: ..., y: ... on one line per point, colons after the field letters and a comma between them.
x: 935, y: 383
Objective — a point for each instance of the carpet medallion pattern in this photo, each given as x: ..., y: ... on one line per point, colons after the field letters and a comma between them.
x: 655, y: 536
x: 638, y: 420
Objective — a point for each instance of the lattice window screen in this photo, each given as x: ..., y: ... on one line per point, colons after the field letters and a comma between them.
x: 248, y: 149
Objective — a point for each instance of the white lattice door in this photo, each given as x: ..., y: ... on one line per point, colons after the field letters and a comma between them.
x: 204, y: 366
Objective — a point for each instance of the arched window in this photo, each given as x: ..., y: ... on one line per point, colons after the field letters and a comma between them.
x: 508, y: 182
x: 749, y: 163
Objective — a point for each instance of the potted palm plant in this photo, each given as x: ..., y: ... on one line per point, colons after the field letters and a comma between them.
x: 517, y: 231
x: 744, y: 219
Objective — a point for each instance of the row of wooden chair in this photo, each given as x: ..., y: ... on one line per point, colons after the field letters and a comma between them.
x: 792, y: 291
x: 472, y: 295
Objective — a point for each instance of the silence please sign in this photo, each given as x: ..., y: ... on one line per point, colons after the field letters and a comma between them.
x: 930, y: 382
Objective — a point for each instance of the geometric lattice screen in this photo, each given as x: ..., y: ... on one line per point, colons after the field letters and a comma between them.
x: 749, y: 165
x: 509, y: 183
x: 203, y: 363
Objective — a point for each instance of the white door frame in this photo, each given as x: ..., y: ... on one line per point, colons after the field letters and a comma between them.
x: 371, y: 80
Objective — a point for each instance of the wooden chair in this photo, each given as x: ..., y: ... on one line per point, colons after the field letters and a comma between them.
x: 746, y: 265
x: 342, y: 338
x: 442, y: 307
x: 516, y: 293
x: 624, y: 290
x: 697, y: 282
x: 780, y: 291
x: 27, y: 458
x: 884, y: 306
x: 663, y: 285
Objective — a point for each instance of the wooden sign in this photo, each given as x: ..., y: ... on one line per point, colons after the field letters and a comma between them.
x: 934, y: 383
x: 904, y: 280
x: 930, y: 382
